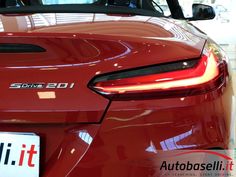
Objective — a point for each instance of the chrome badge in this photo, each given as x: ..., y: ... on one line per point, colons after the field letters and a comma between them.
x: 42, y: 85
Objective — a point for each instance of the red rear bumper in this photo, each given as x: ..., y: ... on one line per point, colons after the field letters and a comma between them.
x: 127, y: 141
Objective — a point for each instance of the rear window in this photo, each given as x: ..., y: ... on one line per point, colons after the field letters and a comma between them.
x: 129, y: 7
x: 54, y: 2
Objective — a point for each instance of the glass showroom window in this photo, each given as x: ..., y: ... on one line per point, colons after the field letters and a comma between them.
x: 48, y: 2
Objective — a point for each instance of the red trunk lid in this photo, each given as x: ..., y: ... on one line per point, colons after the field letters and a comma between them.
x: 74, y: 53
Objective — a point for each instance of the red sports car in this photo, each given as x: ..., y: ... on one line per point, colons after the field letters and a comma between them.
x: 98, y: 87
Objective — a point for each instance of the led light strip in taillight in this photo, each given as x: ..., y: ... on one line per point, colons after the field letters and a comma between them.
x: 197, y: 76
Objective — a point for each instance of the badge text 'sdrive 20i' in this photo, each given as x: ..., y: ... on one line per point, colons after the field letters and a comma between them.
x: 42, y: 85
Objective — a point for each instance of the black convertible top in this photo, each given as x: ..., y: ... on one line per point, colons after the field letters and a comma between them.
x: 79, y: 8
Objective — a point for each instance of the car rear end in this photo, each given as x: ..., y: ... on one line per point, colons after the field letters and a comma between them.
x: 103, y: 96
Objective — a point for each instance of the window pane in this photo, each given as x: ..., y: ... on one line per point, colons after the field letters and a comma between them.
x: 162, y: 7
x: 48, y: 2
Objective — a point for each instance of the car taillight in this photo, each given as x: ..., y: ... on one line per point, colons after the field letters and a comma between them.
x: 178, y: 79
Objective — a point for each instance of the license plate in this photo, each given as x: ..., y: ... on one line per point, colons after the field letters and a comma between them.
x: 19, y: 155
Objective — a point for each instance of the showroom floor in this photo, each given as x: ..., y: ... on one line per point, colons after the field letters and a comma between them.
x: 231, y: 52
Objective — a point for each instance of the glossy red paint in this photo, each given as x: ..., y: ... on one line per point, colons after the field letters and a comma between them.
x: 86, y: 49
x: 83, y: 133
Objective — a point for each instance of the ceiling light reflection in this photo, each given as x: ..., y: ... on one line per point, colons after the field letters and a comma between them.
x: 85, y: 136
x: 46, y: 95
